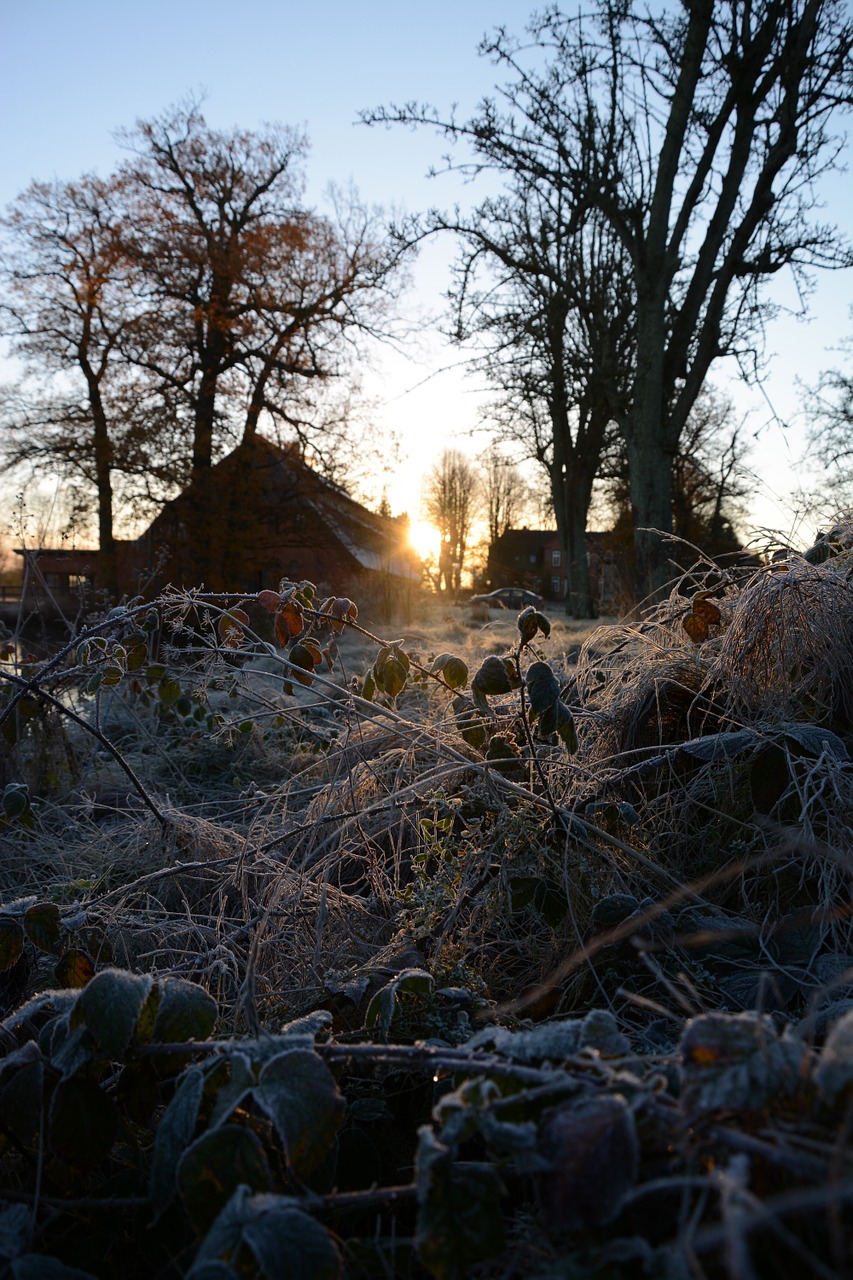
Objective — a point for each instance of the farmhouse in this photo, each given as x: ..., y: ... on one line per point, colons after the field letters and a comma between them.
x: 263, y: 515
x: 532, y: 558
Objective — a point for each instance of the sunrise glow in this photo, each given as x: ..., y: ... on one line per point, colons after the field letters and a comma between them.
x: 425, y: 538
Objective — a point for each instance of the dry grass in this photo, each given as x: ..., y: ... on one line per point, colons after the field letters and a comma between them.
x: 329, y: 844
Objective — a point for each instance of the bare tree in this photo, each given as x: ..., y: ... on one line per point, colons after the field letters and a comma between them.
x: 556, y: 323
x: 711, y: 478
x: 830, y: 438
x: 697, y: 135
x: 449, y: 501
x: 504, y: 492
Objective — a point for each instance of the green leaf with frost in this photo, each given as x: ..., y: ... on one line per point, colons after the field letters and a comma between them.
x: 453, y: 669
x: 186, y: 1012
x: 42, y: 926
x: 298, y: 1093
x: 110, y: 1006
x: 174, y: 1134
x: 284, y: 1240
x: 542, y: 688
x: 738, y: 1062
x: 593, y: 1153
x: 492, y: 678
x: 214, y: 1166
x: 833, y: 1074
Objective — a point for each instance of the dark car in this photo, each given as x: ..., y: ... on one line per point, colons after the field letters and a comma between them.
x: 508, y: 598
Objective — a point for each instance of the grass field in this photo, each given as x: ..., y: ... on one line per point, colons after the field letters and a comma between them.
x: 481, y: 947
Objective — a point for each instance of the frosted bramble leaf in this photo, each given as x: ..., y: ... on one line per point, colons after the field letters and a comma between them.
x: 214, y: 1166
x: 493, y: 677
x: 41, y: 922
x: 304, y: 659
x: 74, y: 969
x: 593, y: 1151
x: 269, y: 600
x: 185, y: 1012
x: 393, y: 677
x: 696, y: 627
x: 288, y: 622
x: 453, y: 669
x: 297, y: 1092
x: 110, y: 1005
x: 737, y: 1062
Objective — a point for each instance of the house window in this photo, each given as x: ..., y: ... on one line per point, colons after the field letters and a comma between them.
x: 555, y: 559
x: 555, y: 586
x: 533, y: 559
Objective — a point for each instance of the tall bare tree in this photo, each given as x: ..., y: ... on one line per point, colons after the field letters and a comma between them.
x: 449, y: 501
x: 195, y: 297
x: 251, y: 296
x: 504, y: 492
x: 697, y: 133
x: 555, y: 325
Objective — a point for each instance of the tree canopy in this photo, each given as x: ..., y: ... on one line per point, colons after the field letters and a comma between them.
x: 694, y: 137
x: 163, y: 313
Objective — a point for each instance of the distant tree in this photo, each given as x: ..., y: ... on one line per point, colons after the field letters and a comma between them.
x: 504, y: 492
x: 555, y: 323
x: 449, y: 501
x: 711, y: 479
x: 696, y: 133
x: 830, y: 437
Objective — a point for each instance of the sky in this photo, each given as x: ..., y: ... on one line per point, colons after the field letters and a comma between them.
x: 72, y: 73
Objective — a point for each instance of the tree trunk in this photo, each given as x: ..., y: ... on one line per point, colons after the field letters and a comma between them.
x: 103, y: 479
x: 572, y: 489
x: 650, y: 467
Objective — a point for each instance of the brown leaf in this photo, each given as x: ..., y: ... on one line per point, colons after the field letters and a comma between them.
x: 269, y: 600
x: 288, y: 622
x: 696, y: 627
x: 706, y: 609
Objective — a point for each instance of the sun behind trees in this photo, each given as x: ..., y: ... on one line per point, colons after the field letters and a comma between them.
x: 673, y: 153
x: 163, y: 312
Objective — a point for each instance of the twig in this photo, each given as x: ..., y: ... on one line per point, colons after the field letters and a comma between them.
x: 99, y: 737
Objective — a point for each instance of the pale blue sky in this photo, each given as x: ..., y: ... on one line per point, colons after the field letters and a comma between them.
x: 72, y: 71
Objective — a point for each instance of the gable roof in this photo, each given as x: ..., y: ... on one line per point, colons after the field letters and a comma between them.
x: 264, y: 507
